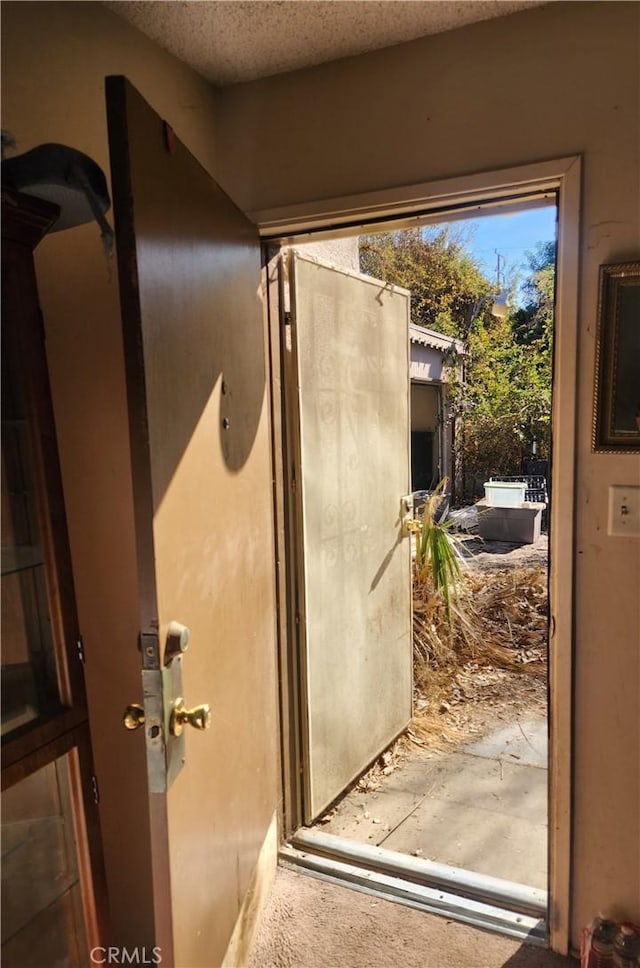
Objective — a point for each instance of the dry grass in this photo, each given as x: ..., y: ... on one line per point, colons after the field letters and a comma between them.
x: 499, y: 620
x: 498, y: 633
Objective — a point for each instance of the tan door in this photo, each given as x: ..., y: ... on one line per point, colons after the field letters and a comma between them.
x: 189, y: 273
x: 352, y: 348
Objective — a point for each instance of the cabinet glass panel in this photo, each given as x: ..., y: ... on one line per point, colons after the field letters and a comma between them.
x: 29, y: 681
x: 42, y: 915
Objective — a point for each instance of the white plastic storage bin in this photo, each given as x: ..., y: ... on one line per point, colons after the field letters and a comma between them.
x: 504, y: 494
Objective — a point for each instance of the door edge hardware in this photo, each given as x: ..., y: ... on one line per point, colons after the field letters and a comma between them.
x: 199, y: 717
x: 406, y: 513
x: 150, y: 649
x: 178, y: 636
x: 133, y: 716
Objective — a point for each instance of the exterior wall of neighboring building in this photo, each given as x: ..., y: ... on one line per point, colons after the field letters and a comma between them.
x: 426, y: 435
x: 426, y: 364
x: 435, y: 360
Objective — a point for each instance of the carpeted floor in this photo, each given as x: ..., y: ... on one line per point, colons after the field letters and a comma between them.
x: 309, y: 923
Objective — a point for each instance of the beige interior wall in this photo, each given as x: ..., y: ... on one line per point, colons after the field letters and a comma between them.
x: 55, y: 58
x: 550, y: 82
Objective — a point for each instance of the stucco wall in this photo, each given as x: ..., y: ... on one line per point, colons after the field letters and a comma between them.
x: 337, y: 252
x: 550, y: 82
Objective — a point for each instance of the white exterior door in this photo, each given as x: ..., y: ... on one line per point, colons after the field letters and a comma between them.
x: 351, y: 350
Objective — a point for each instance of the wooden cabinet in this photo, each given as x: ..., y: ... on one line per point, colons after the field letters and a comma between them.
x: 52, y: 880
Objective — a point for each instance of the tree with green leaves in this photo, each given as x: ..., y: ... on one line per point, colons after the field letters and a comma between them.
x: 447, y: 287
x: 534, y: 321
x: 504, y: 400
x: 533, y: 331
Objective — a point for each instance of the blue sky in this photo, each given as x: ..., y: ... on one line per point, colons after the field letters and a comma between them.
x: 511, y: 234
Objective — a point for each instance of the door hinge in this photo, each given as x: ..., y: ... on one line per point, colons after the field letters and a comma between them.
x: 80, y: 648
x: 95, y: 792
x: 287, y: 319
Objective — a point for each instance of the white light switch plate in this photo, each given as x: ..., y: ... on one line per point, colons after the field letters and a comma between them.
x: 624, y: 509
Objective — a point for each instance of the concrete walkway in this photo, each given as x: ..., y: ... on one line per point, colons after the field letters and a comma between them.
x: 482, y: 807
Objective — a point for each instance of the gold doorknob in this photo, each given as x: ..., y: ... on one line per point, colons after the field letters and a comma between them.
x: 199, y: 717
x: 133, y: 716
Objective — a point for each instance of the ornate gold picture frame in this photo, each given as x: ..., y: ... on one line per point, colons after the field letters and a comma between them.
x: 616, y: 415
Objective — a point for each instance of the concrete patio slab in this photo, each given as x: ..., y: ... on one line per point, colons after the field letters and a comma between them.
x: 492, y: 785
x: 525, y: 741
x: 369, y: 817
x: 477, y: 839
x: 482, y: 808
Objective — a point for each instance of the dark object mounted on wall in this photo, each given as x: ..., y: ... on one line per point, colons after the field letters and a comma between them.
x: 616, y: 417
x: 66, y: 177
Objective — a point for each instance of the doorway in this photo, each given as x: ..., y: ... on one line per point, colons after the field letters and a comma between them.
x: 295, y: 698
x: 466, y: 785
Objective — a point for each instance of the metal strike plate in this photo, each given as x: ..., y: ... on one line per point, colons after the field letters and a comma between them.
x: 165, y: 713
x: 154, y: 730
x: 161, y: 687
x: 175, y: 744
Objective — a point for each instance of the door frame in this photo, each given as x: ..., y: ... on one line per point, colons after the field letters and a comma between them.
x: 509, y: 189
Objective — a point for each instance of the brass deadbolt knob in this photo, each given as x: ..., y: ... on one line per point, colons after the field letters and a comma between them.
x: 199, y: 717
x: 133, y: 716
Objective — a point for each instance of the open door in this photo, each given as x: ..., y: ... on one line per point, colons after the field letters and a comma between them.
x: 351, y: 366
x: 194, y: 336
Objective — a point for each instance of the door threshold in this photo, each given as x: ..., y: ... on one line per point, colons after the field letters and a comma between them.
x: 475, y: 899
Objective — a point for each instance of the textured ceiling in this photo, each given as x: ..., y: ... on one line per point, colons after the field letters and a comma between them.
x: 230, y: 40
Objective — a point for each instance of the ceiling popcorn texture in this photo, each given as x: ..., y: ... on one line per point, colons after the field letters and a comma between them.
x: 229, y: 41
